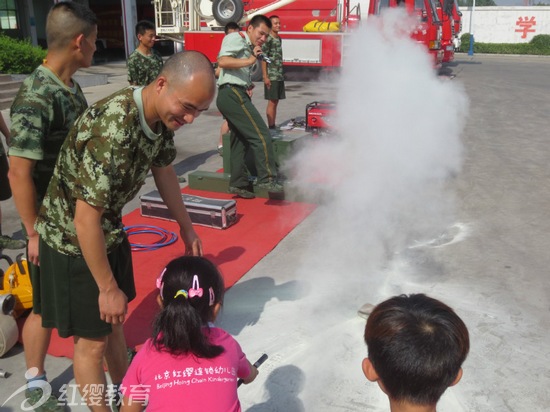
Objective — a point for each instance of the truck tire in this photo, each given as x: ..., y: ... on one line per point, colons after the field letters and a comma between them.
x: 225, y: 11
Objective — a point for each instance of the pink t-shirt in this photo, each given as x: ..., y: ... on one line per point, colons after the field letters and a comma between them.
x: 187, y: 383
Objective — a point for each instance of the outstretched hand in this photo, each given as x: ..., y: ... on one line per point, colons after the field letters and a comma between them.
x: 193, y: 244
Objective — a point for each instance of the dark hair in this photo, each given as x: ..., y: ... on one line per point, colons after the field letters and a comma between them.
x: 259, y: 19
x: 144, y: 25
x: 274, y: 17
x: 417, y: 345
x: 231, y: 26
x: 65, y: 21
x: 178, y: 328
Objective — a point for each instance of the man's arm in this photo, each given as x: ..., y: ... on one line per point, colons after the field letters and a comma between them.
x: 4, y: 129
x: 113, y: 302
x: 229, y: 62
x: 132, y: 72
x: 267, y: 82
x: 169, y: 189
x: 24, y: 197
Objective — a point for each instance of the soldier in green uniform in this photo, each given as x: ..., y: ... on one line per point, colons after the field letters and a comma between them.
x: 238, y: 53
x: 45, y: 108
x: 84, y: 252
x: 145, y: 63
x: 274, y: 81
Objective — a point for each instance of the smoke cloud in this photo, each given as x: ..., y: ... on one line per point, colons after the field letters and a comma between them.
x: 382, y: 179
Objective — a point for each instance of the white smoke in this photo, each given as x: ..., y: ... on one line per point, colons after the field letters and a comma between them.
x: 398, y: 142
x: 383, y: 180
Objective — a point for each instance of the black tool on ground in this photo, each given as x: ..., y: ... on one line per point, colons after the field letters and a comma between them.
x: 257, y: 364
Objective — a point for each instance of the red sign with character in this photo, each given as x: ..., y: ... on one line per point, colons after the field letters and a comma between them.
x: 525, y: 25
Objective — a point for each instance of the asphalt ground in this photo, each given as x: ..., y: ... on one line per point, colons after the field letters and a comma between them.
x: 490, y: 262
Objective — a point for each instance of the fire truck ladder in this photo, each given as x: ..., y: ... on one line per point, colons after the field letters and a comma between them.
x: 174, y: 17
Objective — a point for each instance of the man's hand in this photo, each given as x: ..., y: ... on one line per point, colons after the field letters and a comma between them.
x: 267, y: 82
x: 193, y: 244
x: 113, y: 304
x: 32, y: 249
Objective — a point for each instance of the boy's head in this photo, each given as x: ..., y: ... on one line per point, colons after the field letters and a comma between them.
x: 275, y: 24
x: 68, y: 21
x: 231, y: 27
x: 146, y: 33
x: 258, y: 29
x: 416, y: 347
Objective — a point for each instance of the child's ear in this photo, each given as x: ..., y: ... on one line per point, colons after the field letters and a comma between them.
x: 458, y: 377
x: 215, y: 310
x: 369, y: 370
x: 160, y: 302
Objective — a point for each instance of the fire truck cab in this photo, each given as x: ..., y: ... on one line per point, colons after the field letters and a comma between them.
x: 447, y: 11
x: 429, y: 30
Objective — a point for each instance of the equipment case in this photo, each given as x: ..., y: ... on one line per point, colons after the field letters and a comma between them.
x: 216, y: 213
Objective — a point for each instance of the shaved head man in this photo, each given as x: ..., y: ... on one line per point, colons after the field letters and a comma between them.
x: 102, y: 165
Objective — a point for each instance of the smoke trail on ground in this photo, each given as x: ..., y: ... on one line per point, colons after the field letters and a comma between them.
x: 384, y: 177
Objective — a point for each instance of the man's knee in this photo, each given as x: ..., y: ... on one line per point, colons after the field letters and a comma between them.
x: 91, y: 348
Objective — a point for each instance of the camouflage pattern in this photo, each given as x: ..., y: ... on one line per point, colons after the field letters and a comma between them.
x: 104, y: 162
x: 42, y: 113
x: 142, y: 70
x: 273, y: 49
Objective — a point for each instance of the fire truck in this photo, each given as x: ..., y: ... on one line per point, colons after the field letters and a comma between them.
x: 428, y: 31
x: 451, y: 20
x: 198, y: 25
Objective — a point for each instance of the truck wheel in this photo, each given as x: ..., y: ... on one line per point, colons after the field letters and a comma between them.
x: 225, y: 11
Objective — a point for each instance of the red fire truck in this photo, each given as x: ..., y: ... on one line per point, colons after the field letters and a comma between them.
x: 428, y: 31
x: 450, y: 29
x: 198, y: 24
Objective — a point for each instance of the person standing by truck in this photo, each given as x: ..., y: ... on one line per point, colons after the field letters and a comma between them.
x: 274, y: 81
x: 145, y: 63
x: 238, y: 53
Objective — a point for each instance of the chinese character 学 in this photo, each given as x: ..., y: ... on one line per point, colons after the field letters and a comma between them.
x: 525, y: 25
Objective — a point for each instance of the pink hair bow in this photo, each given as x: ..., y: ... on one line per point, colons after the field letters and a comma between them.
x: 195, y: 289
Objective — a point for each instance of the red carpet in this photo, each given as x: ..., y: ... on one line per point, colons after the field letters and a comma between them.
x: 261, y: 225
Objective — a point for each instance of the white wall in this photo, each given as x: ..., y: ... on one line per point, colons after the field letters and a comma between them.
x: 500, y: 24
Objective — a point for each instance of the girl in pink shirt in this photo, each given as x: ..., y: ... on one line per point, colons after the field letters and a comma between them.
x: 188, y: 364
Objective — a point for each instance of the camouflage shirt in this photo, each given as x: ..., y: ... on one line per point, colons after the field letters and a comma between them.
x: 273, y: 49
x: 142, y: 69
x: 104, y: 162
x: 42, y: 114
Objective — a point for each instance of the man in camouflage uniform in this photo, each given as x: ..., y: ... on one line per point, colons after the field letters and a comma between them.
x: 274, y: 81
x: 45, y: 108
x: 84, y: 252
x: 145, y: 63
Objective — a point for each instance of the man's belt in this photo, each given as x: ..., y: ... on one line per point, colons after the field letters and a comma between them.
x: 238, y: 86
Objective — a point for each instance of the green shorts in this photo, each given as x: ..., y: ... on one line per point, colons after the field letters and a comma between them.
x: 69, y: 293
x: 276, y: 91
